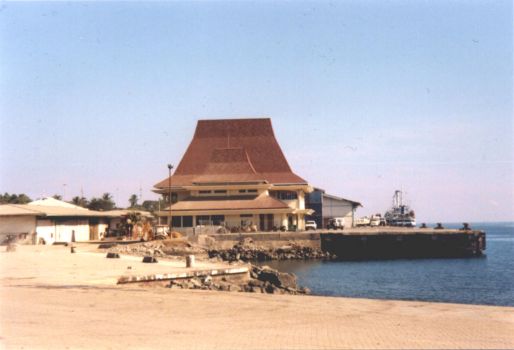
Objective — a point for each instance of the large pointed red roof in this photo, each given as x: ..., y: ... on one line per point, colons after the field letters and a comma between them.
x: 233, y: 150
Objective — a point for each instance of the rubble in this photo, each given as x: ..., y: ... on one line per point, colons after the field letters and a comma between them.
x: 262, y: 280
x: 158, y: 248
x: 246, y: 250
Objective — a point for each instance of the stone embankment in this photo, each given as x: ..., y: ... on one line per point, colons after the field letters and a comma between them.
x: 262, y: 280
x: 247, y: 250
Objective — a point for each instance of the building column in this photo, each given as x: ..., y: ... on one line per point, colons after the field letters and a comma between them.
x: 301, y: 222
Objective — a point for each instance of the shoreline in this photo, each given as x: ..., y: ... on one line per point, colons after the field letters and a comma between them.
x: 51, y: 299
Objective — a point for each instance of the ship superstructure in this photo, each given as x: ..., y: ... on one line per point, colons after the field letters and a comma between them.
x: 400, y: 214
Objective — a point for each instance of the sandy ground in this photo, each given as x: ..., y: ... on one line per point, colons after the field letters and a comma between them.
x: 52, y: 299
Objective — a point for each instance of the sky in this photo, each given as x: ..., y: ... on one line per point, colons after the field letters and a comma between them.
x: 365, y: 97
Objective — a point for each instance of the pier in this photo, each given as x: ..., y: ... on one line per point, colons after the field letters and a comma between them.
x: 370, y: 242
x: 396, y: 243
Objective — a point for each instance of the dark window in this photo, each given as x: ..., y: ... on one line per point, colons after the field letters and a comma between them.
x: 202, y: 220
x: 251, y: 191
x: 205, y: 192
x: 285, y: 195
x: 173, y: 198
x: 187, y: 221
x: 242, y: 191
x: 176, y: 221
x: 220, y: 191
x: 217, y: 219
x: 246, y: 215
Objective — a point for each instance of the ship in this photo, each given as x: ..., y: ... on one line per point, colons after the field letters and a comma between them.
x: 400, y: 214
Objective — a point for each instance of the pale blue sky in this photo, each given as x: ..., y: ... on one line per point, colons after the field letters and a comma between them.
x: 365, y: 96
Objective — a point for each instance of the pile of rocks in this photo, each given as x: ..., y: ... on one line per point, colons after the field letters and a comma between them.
x: 262, y: 280
x: 247, y: 251
x: 158, y: 248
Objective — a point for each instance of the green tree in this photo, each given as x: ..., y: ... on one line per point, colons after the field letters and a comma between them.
x: 103, y: 203
x: 7, y: 198
x: 80, y: 201
x: 152, y: 206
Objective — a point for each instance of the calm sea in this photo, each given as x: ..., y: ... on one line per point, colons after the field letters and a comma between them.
x: 484, y: 280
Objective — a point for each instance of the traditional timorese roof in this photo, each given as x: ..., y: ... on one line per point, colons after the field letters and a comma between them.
x: 232, y: 150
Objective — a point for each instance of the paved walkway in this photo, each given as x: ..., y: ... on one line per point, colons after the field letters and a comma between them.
x: 80, y: 309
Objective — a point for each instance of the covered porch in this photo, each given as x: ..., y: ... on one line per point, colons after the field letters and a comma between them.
x: 234, y: 220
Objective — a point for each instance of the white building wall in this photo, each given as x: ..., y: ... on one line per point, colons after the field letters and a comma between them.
x: 64, y: 230
x: 45, y: 230
x: 333, y: 208
x: 61, y: 231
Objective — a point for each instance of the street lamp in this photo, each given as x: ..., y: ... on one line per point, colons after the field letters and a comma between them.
x: 169, y: 194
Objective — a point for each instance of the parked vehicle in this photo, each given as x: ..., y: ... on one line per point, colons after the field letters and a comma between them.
x: 364, y: 221
x: 377, y: 220
x: 335, y: 224
x: 311, y: 225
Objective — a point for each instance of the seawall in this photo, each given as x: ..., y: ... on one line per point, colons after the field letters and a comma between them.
x: 365, y: 243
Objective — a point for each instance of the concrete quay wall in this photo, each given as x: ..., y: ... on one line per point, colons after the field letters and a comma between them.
x: 368, y: 243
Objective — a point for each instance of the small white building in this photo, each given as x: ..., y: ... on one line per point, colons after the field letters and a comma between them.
x: 327, y: 207
x: 17, y: 220
x: 50, y: 220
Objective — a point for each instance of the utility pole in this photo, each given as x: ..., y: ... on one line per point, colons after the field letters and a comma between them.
x: 169, y: 194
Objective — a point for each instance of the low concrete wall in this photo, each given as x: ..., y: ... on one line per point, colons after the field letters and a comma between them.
x: 266, y: 240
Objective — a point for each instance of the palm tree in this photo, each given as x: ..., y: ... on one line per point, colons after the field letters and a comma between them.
x: 133, y: 201
x: 80, y: 201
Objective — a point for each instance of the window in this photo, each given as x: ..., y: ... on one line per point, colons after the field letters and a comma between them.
x: 285, y: 195
x: 246, y: 215
x: 217, y: 219
x: 187, y: 221
x: 202, y: 220
x: 251, y: 191
x: 204, y: 192
x: 220, y: 191
x: 242, y: 191
x: 173, y: 197
x: 176, y: 221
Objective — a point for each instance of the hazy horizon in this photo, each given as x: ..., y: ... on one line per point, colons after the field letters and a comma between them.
x: 364, y: 97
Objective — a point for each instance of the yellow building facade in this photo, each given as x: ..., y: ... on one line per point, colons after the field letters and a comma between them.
x: 234, y: 176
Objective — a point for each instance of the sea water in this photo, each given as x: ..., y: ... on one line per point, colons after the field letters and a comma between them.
x: 485, y: 280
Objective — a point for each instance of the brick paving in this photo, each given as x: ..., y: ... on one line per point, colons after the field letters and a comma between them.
x: 68, y: 313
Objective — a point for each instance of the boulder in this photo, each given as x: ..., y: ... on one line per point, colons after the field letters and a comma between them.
x: 112, y: 255
x: 149, y: 259
x: 278, y: 279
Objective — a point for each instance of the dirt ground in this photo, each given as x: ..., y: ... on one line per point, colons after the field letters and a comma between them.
x: 51, y: 299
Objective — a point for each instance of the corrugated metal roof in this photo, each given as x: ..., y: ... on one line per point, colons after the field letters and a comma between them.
x: 17, y: 210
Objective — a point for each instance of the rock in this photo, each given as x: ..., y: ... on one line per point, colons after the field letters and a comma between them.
x: 279, y: 279
x: 304, y: 290
x: 207, y: 280
x: 112, y: 255
x: 149, y: 259
x: 255, y: 283
x: 107, y: 245
x: 195, y: 283
x: 268, y: 287
x: 225, y: 287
